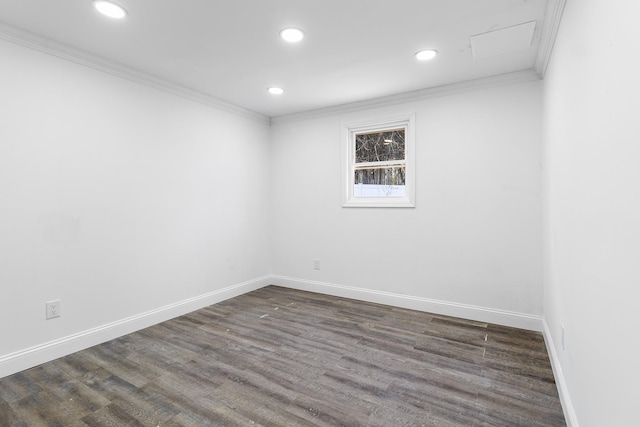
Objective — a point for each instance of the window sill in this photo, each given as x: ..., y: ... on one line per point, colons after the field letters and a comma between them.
x: 400, y: 202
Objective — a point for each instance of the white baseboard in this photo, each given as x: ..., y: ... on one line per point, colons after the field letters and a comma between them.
x: 565, y: 399
x: 30, y: 357
x: 481, y: 314
x: 33, y: 356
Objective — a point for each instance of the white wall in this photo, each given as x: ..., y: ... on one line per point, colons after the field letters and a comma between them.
x: 118, y: 199
x: 592, y: 209
x: 474, y: 237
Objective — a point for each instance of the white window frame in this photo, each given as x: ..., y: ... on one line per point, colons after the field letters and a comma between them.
x: 349, y: 131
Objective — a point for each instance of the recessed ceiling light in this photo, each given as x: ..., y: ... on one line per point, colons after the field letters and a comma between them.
x: 425, y: 55
x: 275, y: 91
x: 110, y: 9
x: 292, y: 35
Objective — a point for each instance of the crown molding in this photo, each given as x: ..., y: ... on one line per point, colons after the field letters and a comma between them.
x: 552, y: 18
x: 43, y: 44
x: 418, y: 95
x: 31, y: 40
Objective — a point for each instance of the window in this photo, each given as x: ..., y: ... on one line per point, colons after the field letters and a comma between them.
x: 379, y: 164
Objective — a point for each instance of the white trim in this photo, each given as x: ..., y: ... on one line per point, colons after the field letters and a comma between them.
x: 30, y: 357
x: 33, y: 41
x: 565, y: 398
x: 552, y: 18
x: 406, y: 122
x: 448, y: 308
x: 418, y: 95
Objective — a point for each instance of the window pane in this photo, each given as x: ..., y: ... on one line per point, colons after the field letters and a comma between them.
x: 380, y: 146
x: 379, y: 182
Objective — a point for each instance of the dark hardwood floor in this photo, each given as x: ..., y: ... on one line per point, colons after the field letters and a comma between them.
x: 281, y: 357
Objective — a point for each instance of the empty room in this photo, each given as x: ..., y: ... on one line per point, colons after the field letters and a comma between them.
x: 304, y: 213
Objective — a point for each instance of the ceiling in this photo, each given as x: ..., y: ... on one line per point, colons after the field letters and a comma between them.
x: 230, y: 50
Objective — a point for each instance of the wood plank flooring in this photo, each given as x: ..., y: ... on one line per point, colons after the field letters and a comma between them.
x: 282, y: 357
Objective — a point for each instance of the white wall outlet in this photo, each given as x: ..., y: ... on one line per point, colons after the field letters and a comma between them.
x: 53, y: 309
x: 316, y: 264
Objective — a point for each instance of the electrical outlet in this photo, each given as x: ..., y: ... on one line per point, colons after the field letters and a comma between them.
x: 53, y: 309
x: 316, y: 264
